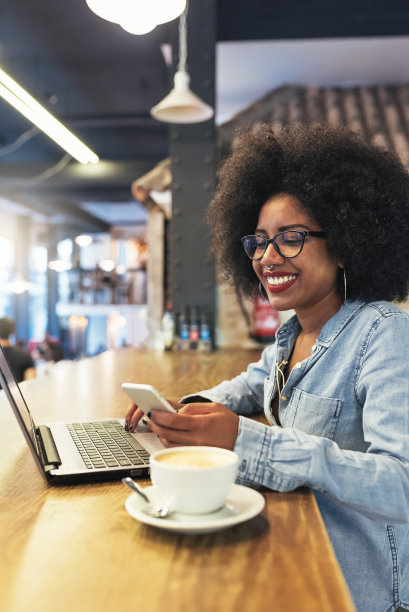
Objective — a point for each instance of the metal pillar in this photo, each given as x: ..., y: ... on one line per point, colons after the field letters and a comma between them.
x: 22, y: 272
x: 191, y: 274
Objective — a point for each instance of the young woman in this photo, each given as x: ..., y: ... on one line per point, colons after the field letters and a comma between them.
x: 324, y: 221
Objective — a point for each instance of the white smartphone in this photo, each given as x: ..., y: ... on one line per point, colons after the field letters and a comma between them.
x: 146, y: 397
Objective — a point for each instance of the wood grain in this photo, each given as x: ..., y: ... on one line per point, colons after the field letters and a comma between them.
x: 76, y: 548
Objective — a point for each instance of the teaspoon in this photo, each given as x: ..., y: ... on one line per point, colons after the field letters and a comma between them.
x: 156, y: 511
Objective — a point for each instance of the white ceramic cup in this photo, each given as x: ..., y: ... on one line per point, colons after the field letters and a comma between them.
x: 193, y: 479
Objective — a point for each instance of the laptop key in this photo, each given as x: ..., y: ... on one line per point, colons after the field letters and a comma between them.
x: 106, y: 444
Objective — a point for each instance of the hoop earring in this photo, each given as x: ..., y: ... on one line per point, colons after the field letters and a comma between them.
x: 262, y: 291
x: 345, y: 286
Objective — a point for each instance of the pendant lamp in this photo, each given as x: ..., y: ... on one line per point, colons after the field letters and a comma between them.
x: 181, y: 105
x: 137, y: 16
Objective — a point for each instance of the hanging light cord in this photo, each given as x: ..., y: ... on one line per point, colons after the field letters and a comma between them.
x: 19, y: 142
x: 182, y: 41
x: 24, y: 183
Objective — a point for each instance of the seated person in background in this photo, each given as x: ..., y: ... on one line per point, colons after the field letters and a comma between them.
x: 49, y: 349
x: 324, y: 221
x: 19, y: 359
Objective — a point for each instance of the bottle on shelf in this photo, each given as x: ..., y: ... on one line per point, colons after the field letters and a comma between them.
x: 194, y: 331
x: 168, y: 328
x: 183, y: 333
x: 205, y: 340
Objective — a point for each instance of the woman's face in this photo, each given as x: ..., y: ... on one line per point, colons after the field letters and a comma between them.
x: 304, y: 282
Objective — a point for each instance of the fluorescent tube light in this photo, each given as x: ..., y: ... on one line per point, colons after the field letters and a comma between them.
x: 21, y: 100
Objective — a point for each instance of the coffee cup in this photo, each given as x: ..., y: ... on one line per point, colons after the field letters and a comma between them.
x: 193, y: 479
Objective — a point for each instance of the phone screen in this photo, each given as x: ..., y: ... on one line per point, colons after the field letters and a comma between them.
x: 146, y: 397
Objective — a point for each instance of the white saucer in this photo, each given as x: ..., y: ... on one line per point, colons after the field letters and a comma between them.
x: 241, y: 505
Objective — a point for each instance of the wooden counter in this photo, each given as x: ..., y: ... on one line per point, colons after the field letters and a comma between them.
x: 76, y: 549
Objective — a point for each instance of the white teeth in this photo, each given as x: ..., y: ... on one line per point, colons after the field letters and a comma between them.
x: 275, y: 281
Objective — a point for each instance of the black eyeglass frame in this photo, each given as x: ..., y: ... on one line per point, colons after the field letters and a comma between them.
x: 303, y: 234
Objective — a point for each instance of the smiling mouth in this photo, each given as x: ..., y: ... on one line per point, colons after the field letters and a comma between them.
x: 280, y: 282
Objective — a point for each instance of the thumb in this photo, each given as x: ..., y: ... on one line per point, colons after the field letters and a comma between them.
x: 196, y: 408
x: 175, y: 405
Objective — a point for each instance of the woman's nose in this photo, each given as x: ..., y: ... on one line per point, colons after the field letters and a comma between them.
x: 272, y: 256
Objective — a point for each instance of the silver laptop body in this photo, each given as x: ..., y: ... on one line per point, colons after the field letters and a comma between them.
x: 62, y: 450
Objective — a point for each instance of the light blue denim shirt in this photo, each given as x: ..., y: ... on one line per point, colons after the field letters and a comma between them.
x: 345, y: 433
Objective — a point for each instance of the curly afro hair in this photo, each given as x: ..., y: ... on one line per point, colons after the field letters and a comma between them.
x: 356, y: 192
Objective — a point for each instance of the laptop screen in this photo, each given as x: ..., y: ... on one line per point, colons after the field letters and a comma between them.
x: 12, y: 390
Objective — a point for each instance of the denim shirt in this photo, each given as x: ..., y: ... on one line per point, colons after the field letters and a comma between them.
x: 344, y: 433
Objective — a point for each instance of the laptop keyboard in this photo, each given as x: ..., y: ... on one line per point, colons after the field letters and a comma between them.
x: 107, y: 444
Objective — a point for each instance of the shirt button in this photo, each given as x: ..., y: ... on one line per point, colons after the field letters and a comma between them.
x: 298, y: 365
x: 314, y: 347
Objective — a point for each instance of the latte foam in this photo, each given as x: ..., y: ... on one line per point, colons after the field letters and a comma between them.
x: 194, y: 459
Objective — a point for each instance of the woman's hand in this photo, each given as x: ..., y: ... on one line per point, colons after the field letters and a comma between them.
x: 134, y: 414
x: 198, y: 424
x: 132, y: 417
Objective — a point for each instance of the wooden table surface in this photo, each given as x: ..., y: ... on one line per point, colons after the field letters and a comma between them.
x: 75, y: 548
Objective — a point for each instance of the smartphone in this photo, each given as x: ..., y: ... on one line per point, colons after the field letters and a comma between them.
x: 146, y: 397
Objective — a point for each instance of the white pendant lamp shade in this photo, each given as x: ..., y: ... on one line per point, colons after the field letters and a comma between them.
x: 181, y: 105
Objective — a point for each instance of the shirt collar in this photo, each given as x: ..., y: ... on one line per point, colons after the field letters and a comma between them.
x: 338, y: 322
x: 331, y: 329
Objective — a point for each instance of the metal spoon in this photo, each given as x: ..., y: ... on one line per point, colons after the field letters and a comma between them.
x: 156, y: 511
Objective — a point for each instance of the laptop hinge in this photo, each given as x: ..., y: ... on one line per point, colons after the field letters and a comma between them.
x: 51, y: 456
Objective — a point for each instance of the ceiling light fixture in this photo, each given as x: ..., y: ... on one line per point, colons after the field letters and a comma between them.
x: 22, y: 101
x: 137, y: 17
x: 83, y: 240
x: 181, y: 105
x: 59, y: 265
x: 19, y: 285
x: 106, y: 265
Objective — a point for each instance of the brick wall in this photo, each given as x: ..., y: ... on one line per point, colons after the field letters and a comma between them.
x: 232, y: 329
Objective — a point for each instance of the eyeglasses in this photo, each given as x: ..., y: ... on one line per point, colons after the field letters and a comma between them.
x: 287, y: 244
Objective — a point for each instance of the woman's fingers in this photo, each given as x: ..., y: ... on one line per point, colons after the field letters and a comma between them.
x: 130, y: 412
x: 198, y: 425
x: 132, y: 417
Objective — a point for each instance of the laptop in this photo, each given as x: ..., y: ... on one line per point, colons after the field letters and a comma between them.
x: 79, y: 452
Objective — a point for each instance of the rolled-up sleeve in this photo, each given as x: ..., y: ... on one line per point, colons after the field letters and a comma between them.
x: 243, y: 394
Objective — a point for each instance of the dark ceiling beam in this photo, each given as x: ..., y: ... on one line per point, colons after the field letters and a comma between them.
x: 239, y: 20
x: 108, y: 121
x: 61, y: 213
x: 16, y: 176
x: 104, y: 195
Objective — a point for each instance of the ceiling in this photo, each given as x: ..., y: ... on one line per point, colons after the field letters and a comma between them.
x: 101, y: 82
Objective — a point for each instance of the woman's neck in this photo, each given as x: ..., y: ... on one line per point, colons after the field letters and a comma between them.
x: 313, y: 319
